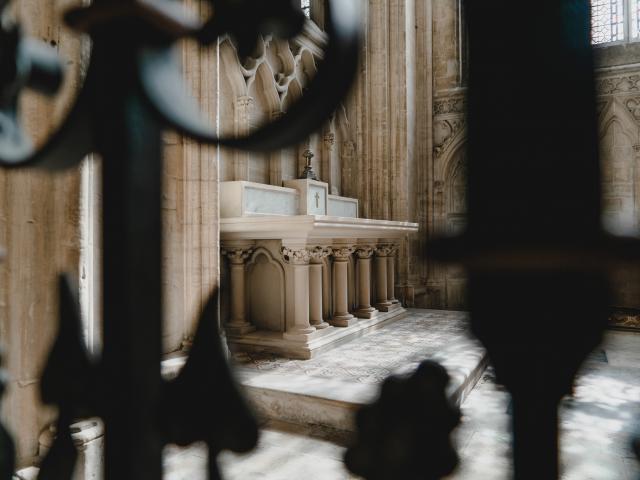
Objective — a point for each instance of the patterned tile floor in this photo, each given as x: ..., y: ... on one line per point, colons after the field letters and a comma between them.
x: 596, y: 424
x: 370, y: 359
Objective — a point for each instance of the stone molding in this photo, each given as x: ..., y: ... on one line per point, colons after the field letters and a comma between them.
x: 295, y: 256
x: 364, y: 251
x: 616, y: 85
x: 448, y: 105
x: 237, y: 256
x: 319, y: 253
x: 342, y: 254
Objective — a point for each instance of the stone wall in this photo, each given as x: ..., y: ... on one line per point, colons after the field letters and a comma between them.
x: 39, y: 229
x: 618, y: 90
x: 52, y: 223
x: 259, y: 89
x: 618, y: 94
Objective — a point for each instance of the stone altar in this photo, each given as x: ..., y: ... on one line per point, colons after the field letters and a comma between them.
x: 301, y: 283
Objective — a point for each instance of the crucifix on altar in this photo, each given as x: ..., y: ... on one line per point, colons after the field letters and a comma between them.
x: 308, y: 173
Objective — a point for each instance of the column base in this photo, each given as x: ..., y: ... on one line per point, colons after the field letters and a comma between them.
x: 388, y: 307
x: 345, y: 320
x: 263, y: 341
x: 239, y: 329
x: 366, y: 312
x: 321, y: 326
x: 299, y: 334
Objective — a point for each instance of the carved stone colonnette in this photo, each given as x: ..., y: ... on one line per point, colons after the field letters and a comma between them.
x: 322, y: 282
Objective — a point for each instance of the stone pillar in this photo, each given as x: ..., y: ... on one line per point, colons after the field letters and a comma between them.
x: 365, y: 310
x: 391, y: 275
x: 318, y: 254
x: 243, y: 110
x: 329, y: 160
x: 341, y: 315
x: 382, y: 255
x: 298, y: 261
x: 238, y: 324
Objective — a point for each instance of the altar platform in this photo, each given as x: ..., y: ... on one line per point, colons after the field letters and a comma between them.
x: 328, y: 389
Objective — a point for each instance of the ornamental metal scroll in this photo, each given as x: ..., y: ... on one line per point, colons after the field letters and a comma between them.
x: 134, y: 91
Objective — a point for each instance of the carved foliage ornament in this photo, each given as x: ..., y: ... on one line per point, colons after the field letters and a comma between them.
x: 448, y: 105
x: 633, y: 105
x: 319, y: 253
x: 385, y: 250
x: 364, y: 251
x: 300, y: 256
x: 237, y: 256
x: 448, y: 131
x: 617, y: 85
x: 342, y: 253
x: 330, y: 139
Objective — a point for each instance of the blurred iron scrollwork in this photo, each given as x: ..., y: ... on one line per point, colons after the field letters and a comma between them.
x: 132, y: 92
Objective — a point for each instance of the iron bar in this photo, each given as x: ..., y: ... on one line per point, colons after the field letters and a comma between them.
x: 129, y: 139
x: 133, y: 91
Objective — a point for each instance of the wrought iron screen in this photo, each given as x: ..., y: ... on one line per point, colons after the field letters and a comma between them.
x: 544, y: 248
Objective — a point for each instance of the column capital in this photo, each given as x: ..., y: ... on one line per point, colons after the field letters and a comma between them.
x: 329, y: 139
x: 319, y: 253
x: 237, y: 255
x: 295, y: 256
x: 384, y: 250
x: 342, y: 252
x: 364, y: 251
x: 244, y: 101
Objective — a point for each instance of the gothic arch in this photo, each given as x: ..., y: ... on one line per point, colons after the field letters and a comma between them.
x: 453, y: 211
x: 266, y: 306
x: 264, y: 92
x: 306, y: 67
x: 619, y: 132
x: 615, y: 111
x: 455, y: 186
x: 232, y: 88
x: 294, y: 92
x: 233, y: 82
x: 453, y: 146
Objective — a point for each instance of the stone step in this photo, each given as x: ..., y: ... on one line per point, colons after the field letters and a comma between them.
x: 332, y: 403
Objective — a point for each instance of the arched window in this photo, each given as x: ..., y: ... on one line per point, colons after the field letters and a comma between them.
x: 615, y: 21
x: 306, y: 7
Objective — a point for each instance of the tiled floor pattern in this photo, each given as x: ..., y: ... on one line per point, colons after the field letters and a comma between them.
x: 370, y: 359
x: 596, y: 424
